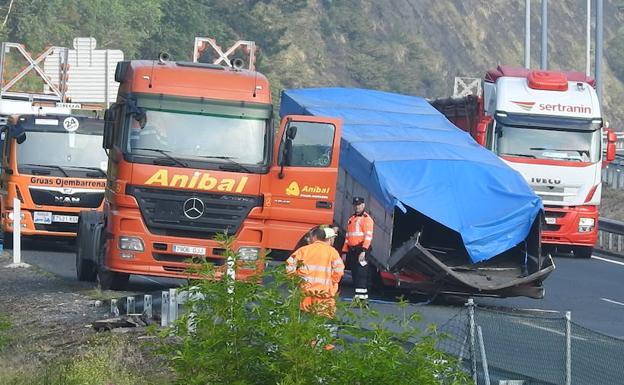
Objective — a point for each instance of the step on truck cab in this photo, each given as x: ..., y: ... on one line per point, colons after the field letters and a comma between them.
x: 547, y: 125
x: 193, y: 153
x: 54, y: 165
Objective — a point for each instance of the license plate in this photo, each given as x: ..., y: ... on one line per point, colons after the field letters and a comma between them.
x: 42, y: 217
x: 551, y: 221
x: 65, y: 218
x: 190, y: 250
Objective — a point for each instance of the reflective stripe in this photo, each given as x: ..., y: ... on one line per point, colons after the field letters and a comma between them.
x: 369, y: 233
x: 361, y: 290
x: 317, y: 280
x: 317, y: 268
x: 290, y: 269
x: 291, y: 260
x: 361, y: 296
x: 339, y: 270
x: 355, y: 233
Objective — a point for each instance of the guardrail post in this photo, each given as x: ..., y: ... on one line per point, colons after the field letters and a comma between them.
x: 610, y: 246
x: 164, y: 309
x: 486, y: 372
x: 568, y: 351
x: 114, y: 310
x: 173, y: 305
x: 130, y: 305
x: 147, y: 306
x: 600, y: 238
x: 471, y: 329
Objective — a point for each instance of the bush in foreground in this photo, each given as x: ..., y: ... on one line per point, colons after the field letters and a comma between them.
x: 248, y: 333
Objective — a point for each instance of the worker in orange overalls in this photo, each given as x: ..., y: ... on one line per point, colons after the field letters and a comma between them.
x: 321, y: 268
x: 357, y: 247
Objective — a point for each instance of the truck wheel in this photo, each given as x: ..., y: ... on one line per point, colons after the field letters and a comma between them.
x: 85, y: 268
x: 584, y: 252
x: 111, y: 280
x: 7, y: 240
x: 88, y: 236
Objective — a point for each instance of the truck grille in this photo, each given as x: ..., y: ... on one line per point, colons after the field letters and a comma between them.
x: 57, y: 198
x: 163, y: 211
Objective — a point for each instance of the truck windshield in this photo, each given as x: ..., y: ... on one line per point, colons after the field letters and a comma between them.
x: 199, y: 131
x: 52, y: 149
x: 550, y: 144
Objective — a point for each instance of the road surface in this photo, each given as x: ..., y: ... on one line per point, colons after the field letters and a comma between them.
x: 591, y: 289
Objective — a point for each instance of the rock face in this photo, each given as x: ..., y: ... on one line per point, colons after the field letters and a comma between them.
x: 418, y: 47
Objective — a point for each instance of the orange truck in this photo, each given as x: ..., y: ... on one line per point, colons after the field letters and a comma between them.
x: 192, y: 152
x: 52, y: 160
x: 54, y: 165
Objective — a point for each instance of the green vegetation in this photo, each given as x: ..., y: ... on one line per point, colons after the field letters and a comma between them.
x: 5, y: 328
x: 411, y: 47
x: 247, y: 333
x: 110, y: 359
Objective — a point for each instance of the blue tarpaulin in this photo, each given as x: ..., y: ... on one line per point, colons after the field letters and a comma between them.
x: 409, y: 155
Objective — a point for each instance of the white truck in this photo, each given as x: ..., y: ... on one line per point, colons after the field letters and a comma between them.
x: 548, y: 126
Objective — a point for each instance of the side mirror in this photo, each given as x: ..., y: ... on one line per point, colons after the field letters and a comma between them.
x: 611, y: 145
x: 481, y: 131
x: 16, y: 131
x: 291, y: 133
x: 286, y: 155
x: 109, y: 120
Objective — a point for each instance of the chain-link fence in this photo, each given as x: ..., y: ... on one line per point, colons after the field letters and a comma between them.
x: 518, y: 348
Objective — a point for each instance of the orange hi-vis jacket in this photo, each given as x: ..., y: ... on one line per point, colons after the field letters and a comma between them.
x: 321, y: 269
x: 359, y: 232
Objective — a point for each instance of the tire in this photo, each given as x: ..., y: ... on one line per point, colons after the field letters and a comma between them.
x: 584, y: 252
x: 87, y: 245
x: 85, y: 268
x: 7, y: 240
x: 111, y: 280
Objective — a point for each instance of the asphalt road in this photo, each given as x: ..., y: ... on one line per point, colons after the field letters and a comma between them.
x: 591, y: 289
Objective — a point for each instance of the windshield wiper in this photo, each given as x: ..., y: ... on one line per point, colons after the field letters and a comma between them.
x: 239, y: 167
x: 522, y: 155
x: 559, y: 149
x: 61, y: 169
x: 166, y: 154
x: 99, y: 170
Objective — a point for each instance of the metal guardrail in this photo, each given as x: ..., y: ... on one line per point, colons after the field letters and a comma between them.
x: 610, y: 236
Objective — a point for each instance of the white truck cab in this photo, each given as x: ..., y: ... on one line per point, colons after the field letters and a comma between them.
x: 548, y: 126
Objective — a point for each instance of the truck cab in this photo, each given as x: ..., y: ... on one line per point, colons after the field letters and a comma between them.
x: 193, y: 152
x: 548, y: 126
x: 54, y: 165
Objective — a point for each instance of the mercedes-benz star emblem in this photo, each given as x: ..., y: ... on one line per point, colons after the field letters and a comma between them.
x: 193, y: 208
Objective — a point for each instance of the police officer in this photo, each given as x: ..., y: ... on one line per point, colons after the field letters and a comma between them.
x: 357, y: 247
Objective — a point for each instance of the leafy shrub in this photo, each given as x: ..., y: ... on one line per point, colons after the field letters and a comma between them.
x: 248, y: 333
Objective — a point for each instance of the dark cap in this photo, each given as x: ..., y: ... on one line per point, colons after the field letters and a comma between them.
x: 358, y: 200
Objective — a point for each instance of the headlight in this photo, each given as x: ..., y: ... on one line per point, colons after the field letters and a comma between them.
x: 131, y: 243
x: 586, y: 222
x: 586, y: 225
x: 248, y: 254
x: 11, y: 216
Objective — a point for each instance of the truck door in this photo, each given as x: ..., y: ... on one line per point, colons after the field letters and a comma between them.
x: 305, y: 169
